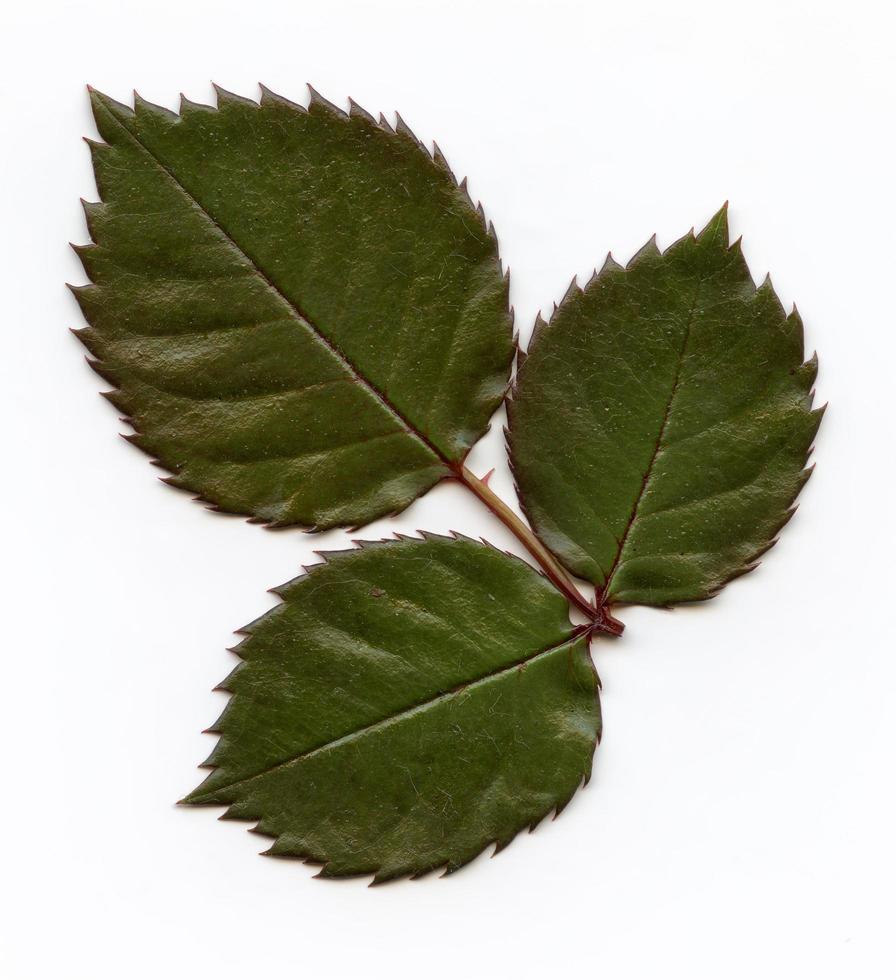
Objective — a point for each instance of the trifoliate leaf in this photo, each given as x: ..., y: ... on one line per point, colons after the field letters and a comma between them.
x: 406, y: 705
x: 303, y: 315
x: 661, y: 422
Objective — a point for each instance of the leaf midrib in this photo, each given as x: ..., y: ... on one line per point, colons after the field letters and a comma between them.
x: 212, y: 796
x: 658, y: 444
x: 295, y: 310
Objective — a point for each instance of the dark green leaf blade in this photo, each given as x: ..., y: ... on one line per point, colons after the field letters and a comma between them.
x: 660, y: 424
x: 406, y: 705
x: 303, y: 315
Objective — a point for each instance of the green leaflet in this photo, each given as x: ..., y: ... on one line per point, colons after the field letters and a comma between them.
x: 660, y: 425
x: 303, y: 315
x: 406, y: 705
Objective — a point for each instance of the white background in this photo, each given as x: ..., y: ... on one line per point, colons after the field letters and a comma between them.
x: 740, y: 822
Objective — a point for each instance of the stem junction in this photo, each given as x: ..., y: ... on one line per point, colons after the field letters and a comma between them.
x: 598, y: 614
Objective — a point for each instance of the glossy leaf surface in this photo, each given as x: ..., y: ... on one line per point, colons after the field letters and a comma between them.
x: 406, y: 705
x: 303, y: 315
x: 661, y: 422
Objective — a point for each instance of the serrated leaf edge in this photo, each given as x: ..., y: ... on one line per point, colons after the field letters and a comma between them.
x: 331, y: 556
x: 718, y: 224
x: 316, y: 103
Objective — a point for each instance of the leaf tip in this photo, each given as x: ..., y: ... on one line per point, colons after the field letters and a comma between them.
x: 610, y: 265
x: 356, y: 111
x: 403, y: 129
x: 439, y: 158
x: 227, y: 99
x: 647, y: 250
x: 317, y: 101
x: 715, y: 233
x: 571, y: 290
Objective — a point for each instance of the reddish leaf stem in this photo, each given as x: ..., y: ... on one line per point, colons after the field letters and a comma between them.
x: 598, y: 615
